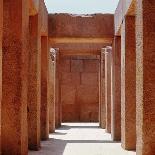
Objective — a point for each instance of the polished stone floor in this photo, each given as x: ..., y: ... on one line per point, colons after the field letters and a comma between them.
x: 80, y: 139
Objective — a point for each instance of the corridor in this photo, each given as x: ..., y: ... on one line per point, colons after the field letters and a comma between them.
x: 80, y: 139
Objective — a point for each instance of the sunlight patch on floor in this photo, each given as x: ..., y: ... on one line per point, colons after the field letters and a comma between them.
x: 81, y: 139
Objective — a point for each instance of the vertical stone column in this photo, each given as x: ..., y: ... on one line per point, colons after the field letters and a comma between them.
x: 34, y: 87
x: 108, y: 88
x: 116, y: 90
x: 44, y: 88
x: 14, y: 77
x: 102, y: 90
x: 145, y: 77
x: 1, y: 30
x: 128, y: 84
x: 51, y: 92
x: 57, y: 91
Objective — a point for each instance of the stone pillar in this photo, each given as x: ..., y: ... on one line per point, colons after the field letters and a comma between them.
x: 145, y: 77
x: 102, y: 90
x: 116, y: 90
x: 15, y: 68
x: 44, y: 88
x: 108, y: 88
x: 51, y: 93
x: 1, y: 30
x: 57, y: 91
x: 128, y: 84
x: 34, y: 87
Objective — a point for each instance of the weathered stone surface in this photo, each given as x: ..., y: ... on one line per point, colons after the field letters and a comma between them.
x: 34, y: 83
x: 68, y: 94
x: 70, y: 78
x: 76, y: 65
x: 128, y: 84
x: 65, y: 65
x: 116, y: 90
x: 145, y: 77
x: 90, y: 78
x: 102, y: 91
x: 88, y: 94
x: 14, y: 77
x: 79, y: 88
x: 1, y: 29
x: 44, y: 88
x: 57, y: 90
x: 81, y: 26
x: 108, y: 53
x: 51, y: 97
x: 91, y: 66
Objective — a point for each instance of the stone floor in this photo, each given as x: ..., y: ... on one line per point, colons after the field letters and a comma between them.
x: 80, y: 139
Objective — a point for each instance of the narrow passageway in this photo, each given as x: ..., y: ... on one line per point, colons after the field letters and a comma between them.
x: 81, y: 139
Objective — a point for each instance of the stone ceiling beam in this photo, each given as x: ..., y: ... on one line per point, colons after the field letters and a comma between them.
x: 125, y: 7
x: 85, y: 26
x: 81, y: 40
x: 33, y: 7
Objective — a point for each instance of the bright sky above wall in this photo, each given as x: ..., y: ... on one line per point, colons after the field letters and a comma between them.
x: 81, y: 6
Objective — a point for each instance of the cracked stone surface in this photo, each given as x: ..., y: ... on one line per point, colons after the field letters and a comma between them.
x: 81, y: 139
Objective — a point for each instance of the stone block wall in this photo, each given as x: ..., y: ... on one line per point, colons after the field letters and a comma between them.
x: 79, y: 78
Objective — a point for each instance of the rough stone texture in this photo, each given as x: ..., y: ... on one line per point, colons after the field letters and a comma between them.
x: 57, y: 90
x: 128, y: 84
x: 44, y: 88
x: 108, y: 53
x: 79, y: 88
x: 1, y: 28
x: 51, y: 97
x: 34, y: 87
x: 96, y: 25
x: 14, y: 77
x: 116, y: 90
x: 102, y: 91
x: 145, y: 78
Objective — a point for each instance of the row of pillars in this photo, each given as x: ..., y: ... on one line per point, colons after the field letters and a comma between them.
x: 27, y: 84
x: 128, y: 80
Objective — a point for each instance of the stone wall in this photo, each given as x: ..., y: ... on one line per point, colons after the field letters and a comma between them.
x: 79, y: 88
x: 68, y: 25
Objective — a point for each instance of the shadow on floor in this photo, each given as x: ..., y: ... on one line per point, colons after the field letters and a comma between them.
x: 67, y: 127
x: 58, y: 133
x: 57, y: 146
x: 69, y: 141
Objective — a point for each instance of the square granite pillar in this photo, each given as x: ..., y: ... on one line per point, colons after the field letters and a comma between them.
x: 108, y: 88
x: 51, y: 93
x: 34, y: 84
x: 102, y: 90
x: 15, y: 73
x: 128, y: 84
x: 44, y: 88
x: 57, y: 90
x: 145, y: 77
x: 116, y: 90
x: 1, y: 31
